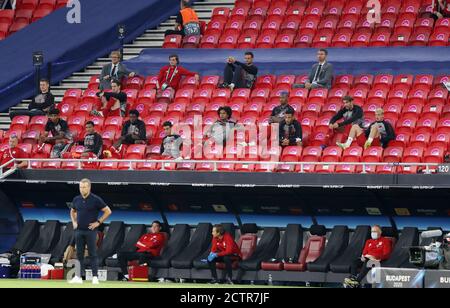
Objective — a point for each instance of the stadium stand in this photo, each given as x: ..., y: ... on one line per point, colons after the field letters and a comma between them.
x: 318, y: 24
x: 300, y: 233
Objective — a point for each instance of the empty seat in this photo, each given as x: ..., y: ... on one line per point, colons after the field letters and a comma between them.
x: 48, y: 237
x: 353, y: 251
x: 112, y: 241
x: 291, y: 243
x: 337, y: 244
x: 400, y: 255
x: 66, y: 238
x: 178, y: 241
x: 199, y: 243
x: 28, y: 235
x: 266, y: 249
x: 312, y: 251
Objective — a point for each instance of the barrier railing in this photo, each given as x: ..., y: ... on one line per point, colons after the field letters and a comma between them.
x: 428, y: 167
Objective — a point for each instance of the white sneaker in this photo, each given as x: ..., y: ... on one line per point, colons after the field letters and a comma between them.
x: 95, y: 280
x: 76, y: 280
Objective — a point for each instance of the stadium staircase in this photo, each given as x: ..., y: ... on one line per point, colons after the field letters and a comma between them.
x: 152, y: 38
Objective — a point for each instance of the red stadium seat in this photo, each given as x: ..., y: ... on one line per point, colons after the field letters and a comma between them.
x: 202, y: 96
x: 221, y: 96
x: 393, y: 154
x: 406, y: 123
x: 360, y: 39
x: 150, y: 82
x: 348, y: 22
x: 434, y: 154
x: 296, y: 9
x: 413, y: 154
x: 423, y: 82
x: 400, y: 38
x: 20, y: 123
x: 209, y: 41
x: 310, y: 253
x: 420, y: 139
x: 439, y: 38
x: 240, y: 96
x: 442, y: 24
x: 6, y: 16
x: 284, y: 41
x: 252, y: 27
x: 341, y: 39
x: 247, y: 41
x: 195, y: 108
x: 113, y: 123
x: 31, y: 136
x: 444, y: 125
x: 41, y: 12
x: 220, y: 14
x: 37, y: 123
x: 215, y: 27
x: 290, y: 25
x: 172, y: 41
x: 309, y: 24
x: 303, y: 41
x: 419, y: 38
x: 234, y: 27
x: 352, y: 154
x: 228, y: 40
x: 136, y: 151
x: 424, y: 25
x: 440, y: 139
x: 184, y: 96
x: 380, y: 39
x: 209, y: 82
x: 146, y: 97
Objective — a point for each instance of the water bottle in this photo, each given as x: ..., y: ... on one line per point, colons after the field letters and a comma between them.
x: 270, y: 280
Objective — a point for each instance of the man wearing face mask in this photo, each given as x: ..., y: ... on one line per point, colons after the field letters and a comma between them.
x: 377, y: 249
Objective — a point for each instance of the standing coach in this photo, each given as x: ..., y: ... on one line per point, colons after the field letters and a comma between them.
x: 84, y: 214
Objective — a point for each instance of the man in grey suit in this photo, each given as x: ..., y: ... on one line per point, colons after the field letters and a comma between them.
x: 321, y: 75
x: 113, y: 71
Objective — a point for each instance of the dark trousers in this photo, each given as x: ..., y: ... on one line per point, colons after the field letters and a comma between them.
x: 89, y: 238
x: 359, y: 269
x: 174, y: 32
x: 233, y: 74
x: 228, y: 260
x: 31, y: 113
x: 125, y: 257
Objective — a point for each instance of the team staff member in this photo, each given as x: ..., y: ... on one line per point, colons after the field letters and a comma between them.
x: 13, y: 152
x: 148, y: 247
x: 441, y: 9
x: 223, y: 249
x: 60, y: 134
x: 187, y: 22
x: 84, y: 215
x: 170, y: 75
x: 379, y: 133
x: 377, y: 249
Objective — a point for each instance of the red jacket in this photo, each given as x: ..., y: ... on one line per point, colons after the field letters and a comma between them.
x: 166, y: 73
x: 380, y: 249
x: 225, y: 246
x: 152, y: 243
x: 9, y: 154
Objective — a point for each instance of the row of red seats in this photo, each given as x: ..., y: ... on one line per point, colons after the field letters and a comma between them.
x: 367, y: 81
x: 27, y: 11
x: 281, y: 27
x: 406, y: 32
x: 412, y: 155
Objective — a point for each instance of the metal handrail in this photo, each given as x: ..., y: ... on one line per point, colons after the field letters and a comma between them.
x: 80, y: 162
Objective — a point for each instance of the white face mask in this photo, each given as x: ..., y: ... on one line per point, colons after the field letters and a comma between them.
x: 375, y: 235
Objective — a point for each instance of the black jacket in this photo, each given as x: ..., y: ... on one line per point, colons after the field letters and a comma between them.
x: 355, y: 116
x: 386, y: 132
x: 140, y: 129
x: 293, y: 131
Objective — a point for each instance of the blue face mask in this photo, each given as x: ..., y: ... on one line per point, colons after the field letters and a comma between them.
x: 375, y: 235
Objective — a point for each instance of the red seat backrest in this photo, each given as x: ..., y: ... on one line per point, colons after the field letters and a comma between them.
x: 247, y: 245
x: 312, y: 250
